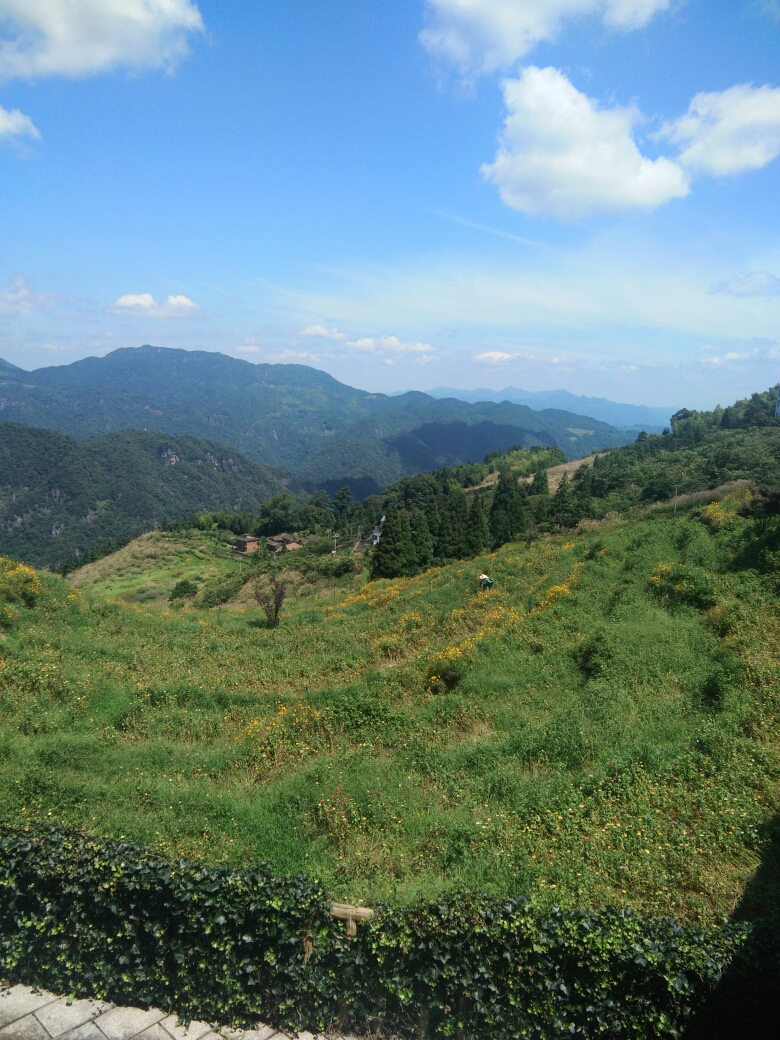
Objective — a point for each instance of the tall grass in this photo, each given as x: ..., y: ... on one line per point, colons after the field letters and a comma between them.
x: 583, y: 733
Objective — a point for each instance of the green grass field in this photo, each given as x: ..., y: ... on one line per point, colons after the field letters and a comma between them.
x: 600, y: 728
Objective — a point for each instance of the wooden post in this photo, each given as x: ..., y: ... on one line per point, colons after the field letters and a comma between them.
x: 350, y: 914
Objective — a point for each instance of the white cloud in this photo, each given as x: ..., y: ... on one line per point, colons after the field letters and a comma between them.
x: 145, y: 305
x: 482, y: 36
x: 388, y: 344
x: 560, y: 154
x: 730, y: 131
x: 323, y: 333
x: 80, y: 37
x: 16, y: 124
x: 494, y: 357
x: 381, y: 345
x: 290, y: 357
x: 756, y: 283
x: 19, y: 301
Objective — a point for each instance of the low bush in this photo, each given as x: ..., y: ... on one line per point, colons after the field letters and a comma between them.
x: 678, y: 584
x: 183, y: 589
x: 111, y: 920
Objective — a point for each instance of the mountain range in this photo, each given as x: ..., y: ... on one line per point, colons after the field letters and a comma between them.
x: 59, y: 496
x: 325, y: 432
x: 625, y: 416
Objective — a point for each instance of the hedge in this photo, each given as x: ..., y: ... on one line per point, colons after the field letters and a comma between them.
x: 237, y: 945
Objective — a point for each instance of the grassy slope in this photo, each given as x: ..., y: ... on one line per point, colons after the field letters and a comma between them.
x: 601, y: 746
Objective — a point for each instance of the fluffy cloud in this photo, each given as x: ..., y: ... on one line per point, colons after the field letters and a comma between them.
x: 19, y: 301
x: 482, y: 36
x: 560, y: 154
x: 145, y: 305
x: 80, y: 37
x: 16, y: 124
x: 729, y: 132
x: 322, y: 333
x: 757, y: 283
x: 388, y: 344
x: 494, y: 357
x: 369, y: 344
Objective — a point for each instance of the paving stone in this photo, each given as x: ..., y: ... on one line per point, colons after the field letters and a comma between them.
x: 194, y: 1031
x: 19, y: 1001
x: 262, y: 1033
x: 126, y: 1022
x: 155, y: 1032
x: 27, y: 1028
x: 89, y: 1031
x: 60, y: 1017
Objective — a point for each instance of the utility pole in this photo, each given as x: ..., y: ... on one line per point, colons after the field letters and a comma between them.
x: 676, y: 486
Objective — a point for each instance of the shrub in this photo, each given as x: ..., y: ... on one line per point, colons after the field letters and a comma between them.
x: 183, y: 589
x: 677, y: 583
x: 113, y: 921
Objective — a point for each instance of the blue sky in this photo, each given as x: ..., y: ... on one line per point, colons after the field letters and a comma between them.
x: 405, y: 193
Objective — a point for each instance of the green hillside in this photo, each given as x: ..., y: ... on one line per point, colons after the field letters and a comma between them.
x: 59, y: 496
x: 286, y: 415
x: 601, y: 728
x: 599, y: 733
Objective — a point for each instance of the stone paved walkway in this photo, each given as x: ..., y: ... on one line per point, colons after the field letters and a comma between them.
x: 34, y: 1014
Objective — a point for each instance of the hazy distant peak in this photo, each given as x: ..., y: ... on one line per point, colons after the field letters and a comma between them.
x: 624, y: 416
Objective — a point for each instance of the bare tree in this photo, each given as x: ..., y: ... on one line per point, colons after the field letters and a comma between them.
x: 272, y: 601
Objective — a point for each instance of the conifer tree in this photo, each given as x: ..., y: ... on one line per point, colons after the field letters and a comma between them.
x: 422, y: 542
x: 453, y: 542
x: 507, y: 513
x: 432, y: 517
x: 478, y: 530
x: 541, y: 512
x: 540, y: 485
x: 563, y: 507
x: 394, y: 555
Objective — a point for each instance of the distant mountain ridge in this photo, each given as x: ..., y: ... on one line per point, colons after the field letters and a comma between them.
x: 623, y: 416
x: 284, y: 415
x: 59, y: 496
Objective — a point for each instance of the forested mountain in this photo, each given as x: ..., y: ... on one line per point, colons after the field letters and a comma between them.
x: 59, y: 496
x: 624, y: 416
x: 287, y: 415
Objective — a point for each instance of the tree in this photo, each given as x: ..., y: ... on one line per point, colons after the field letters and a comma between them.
x: 453, y: 541
x: 272, y: 602
x: 422, y: 542
x: 563, y: 507
x: 540, y: 484
x: 343, y: 500
x: 394, y: 556
x: 320, y: 500
x: 507, y: 513
x: 432, y: 517
x: 478, y: 530
x: 275, y: 513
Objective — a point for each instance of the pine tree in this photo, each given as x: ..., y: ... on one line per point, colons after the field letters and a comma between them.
x: 422, y: 542
x: 343, y: 499
x: 394, y: 555
x: 540, y: 485
x: 563, y: 508
x: 453, y: 541
x: 507, y: 513
x: 432, y: 517
x: 478, y: 530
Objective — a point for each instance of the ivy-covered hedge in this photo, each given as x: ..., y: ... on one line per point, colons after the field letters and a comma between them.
x: 112, y: 920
